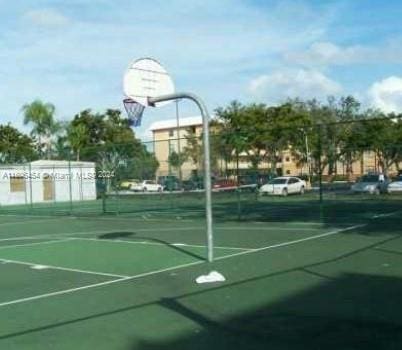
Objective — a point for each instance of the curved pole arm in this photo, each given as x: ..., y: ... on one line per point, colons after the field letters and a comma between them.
x: 207, y: 165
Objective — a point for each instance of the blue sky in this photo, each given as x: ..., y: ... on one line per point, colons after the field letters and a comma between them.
x: 73, y: 53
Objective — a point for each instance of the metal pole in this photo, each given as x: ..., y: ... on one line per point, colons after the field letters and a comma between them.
x: 319, y: 161
x: 207, y: 165
x: 30, y: 185
x: 178, y: 140
x: 170, y: 152
x: 70, y: 185
x: 308, y: 157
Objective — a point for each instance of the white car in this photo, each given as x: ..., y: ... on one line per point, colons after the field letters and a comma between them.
x: 370, y: 183
x: 283, y: 186
x: 395, y: 186
x: 148, y: 186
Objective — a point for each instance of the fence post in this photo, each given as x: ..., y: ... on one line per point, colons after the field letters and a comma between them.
x: 30, y: 185
x: 238, y: 203
x: 320, y: 169
x: 70, y: 185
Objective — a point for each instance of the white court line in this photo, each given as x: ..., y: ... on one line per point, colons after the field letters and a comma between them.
x: 35, y: 243
x: 66, y: 291
x: 62, y: 234
x: 32, y: 216
x: 19, y: 262
x: 272, y: 228
x: 326, y: 234
x: 376, y: 216
x: 158, y: 244
x: 25, y: 222
x: 137, y: 219
x: 72, y: 290
x: 171, y: 229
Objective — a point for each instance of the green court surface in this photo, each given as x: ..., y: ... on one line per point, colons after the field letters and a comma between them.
x: 298, y: 276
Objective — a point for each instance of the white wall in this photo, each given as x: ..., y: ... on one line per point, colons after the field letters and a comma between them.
x: 81, y: 184
x: 6, y: 196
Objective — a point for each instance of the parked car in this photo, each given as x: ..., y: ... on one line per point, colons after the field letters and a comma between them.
x: 169, y: 183
x: 283, y: 186
x: 395, y: 186
x: 129, y: 184
x: 371, y: 183
x: 192, y: 185
x: 148, y: 186
x: 224, y: 184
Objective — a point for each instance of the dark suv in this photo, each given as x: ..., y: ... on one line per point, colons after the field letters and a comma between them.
x: 169, y: 183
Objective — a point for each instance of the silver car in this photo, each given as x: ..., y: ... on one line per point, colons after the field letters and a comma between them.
x: 395, y: 186
x: 372, y: 184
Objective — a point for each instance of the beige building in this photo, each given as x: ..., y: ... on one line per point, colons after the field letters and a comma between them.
x: 168, y: 138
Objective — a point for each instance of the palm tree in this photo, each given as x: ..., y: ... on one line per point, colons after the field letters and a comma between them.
x: 41, y: 116
x: 78, y: 137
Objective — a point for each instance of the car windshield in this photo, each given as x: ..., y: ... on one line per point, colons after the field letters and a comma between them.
x: 369, y: 178
x: 277, y: 182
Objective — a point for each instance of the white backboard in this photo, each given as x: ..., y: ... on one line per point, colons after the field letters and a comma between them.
x: 146, y: 78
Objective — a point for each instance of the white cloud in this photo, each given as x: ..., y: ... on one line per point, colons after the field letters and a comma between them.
x: 210, y: 47
x: 46, y: 17
x: 327, y: 53
x: 292, y: 83
x: 387, y: 94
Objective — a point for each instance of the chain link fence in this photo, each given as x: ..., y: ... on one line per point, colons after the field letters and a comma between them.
x: 330, y: 170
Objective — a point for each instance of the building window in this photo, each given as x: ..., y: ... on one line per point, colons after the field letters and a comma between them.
x: 172, y: 147
x: 193, y: 129
x: 287, y: 159
x: 171, y: 133
x: 288, y: 172
x: 17, y: 184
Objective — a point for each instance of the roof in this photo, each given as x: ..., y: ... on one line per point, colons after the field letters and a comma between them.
x: 172, y: 123
x: 49, y: 164
x: 44, y: 162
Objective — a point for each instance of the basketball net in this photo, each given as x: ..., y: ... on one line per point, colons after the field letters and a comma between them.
x: 134, y: 111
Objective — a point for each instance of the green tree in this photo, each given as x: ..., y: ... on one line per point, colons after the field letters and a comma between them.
x: 15, y: 147
x: 382, y: 135
x: 231, y: 135
x: 176, y: 160
x: 77, y: 136
x: 41, y: 116
x: 261, y: 132
x: 193, y: 149
x: 111, y: 143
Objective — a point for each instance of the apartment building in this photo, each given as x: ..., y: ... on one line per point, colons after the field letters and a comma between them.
x: 170, y: 136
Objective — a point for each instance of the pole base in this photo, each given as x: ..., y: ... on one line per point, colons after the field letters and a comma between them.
x: 212, y: 277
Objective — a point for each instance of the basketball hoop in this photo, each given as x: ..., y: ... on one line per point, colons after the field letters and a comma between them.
x: 134, y: 111
x: 147, y: 84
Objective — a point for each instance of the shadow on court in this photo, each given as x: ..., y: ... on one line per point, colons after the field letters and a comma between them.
x: 134, y: 237
x: 326, y: 311
x: 350, y: 312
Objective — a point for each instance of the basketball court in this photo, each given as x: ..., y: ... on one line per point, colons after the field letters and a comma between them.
x: 124, y: 281
x: 121, y: 272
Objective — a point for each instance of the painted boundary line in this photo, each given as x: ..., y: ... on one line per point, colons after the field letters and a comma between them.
x: 158, y: 244
x: 22, y: 222
x: 72, y: 290
x: 301, y: 240
x: 53, y: 267
x: 168, y: 229
x: 385, y: 215
x: 35, y: 243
